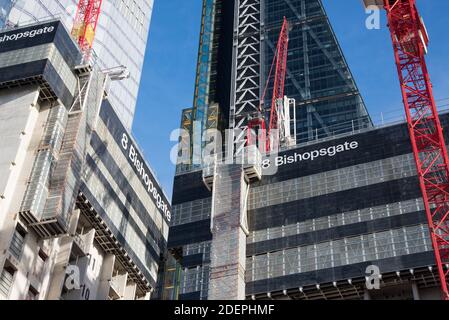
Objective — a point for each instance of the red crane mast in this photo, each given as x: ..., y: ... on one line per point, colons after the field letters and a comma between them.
x: 85, y: 23
x: 279, y: 81
x: 280, y: 64
x: 410, y: 40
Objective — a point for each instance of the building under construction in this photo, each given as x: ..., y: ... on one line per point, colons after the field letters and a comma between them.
x: 311, y: 220
x: 82, y: 215
x: 120, y: 37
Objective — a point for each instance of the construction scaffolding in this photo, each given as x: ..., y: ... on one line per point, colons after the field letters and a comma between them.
x: 230, y: 182
x: 229, y: 232
x: 32, y: 208
x: 56, y: 175
x: 229, y: 223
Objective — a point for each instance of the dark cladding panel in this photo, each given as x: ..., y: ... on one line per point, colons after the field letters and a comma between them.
x: 37, y: 72
x: 192, y: 260
x: 372, y: 145
x: 189, y: 187
x: 190, y: 296
x: 67, y: 47
x: 333, y: 203
x: 310, y: 238
x: 54, y: 80
x: 24, y: 70
x: 223, y: 57
x: 189, y: 233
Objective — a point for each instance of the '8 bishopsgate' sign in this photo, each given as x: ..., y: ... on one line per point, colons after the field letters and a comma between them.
x: 41, y: 34
x: 28, y: 34
x: 144, y: 174
x: 295, y: 157
x: 135, y: 159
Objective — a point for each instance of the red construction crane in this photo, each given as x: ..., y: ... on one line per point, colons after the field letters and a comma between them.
x: 258, y: 121
x: 410, y: 40
x: 85, y: 23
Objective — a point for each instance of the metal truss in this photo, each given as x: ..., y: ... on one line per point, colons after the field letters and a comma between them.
x: 410, y: 39
x: 247, y: 56
x: 279, y: 80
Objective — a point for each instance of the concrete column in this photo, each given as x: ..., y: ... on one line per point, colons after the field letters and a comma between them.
x: 366, y: 295
x: 415, y: 291
x: 105, y: 277
x: 130, y: 291
x: 20, y: 125
x: 61, y: 260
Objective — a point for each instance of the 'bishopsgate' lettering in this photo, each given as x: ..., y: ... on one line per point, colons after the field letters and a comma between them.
x: 26, y: 34
x: 144, y: 175
x: 311, y: 155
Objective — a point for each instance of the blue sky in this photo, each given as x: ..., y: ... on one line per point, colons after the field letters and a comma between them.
x: 169, y: 70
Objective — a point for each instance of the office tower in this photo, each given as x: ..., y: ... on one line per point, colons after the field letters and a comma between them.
x: 231, y: 78
x: 82, y: 216
x: 120, y: 39
x: 341, y: 205
x: 318, y: 77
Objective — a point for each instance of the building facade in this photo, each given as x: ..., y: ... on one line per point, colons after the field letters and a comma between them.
x: 320, y: 215
x: 81, y: 213
x: 120, y: 39
x: 332, y: 209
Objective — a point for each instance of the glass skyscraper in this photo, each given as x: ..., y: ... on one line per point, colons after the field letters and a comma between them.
x: 318, y: 77
x: 120, y: 39
x: 5, y: 8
